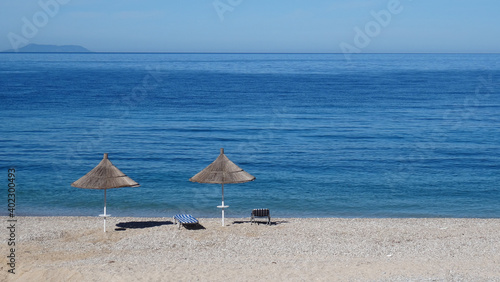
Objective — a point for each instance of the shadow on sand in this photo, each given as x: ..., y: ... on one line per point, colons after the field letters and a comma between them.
x: 196, y: 226
x: 260, y: 222
x: 140, y: 224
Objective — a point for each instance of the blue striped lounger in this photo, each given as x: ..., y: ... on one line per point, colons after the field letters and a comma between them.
x: 183, y: 219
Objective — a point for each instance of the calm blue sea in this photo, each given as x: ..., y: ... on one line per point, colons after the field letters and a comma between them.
x: 381, y: 135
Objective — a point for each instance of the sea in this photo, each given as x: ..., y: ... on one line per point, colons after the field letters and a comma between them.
x: 372, y: 135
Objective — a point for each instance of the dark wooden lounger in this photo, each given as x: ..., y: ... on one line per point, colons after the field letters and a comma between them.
x: 261, y: 213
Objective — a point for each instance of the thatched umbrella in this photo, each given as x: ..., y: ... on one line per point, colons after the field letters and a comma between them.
x: 104, y: 176
x: 222, y: 171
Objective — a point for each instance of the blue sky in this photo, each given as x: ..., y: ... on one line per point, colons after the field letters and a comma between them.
x: 254, y: 25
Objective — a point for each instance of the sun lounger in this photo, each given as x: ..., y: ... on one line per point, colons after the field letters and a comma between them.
x: 260, y: 213
x: 184, y: 219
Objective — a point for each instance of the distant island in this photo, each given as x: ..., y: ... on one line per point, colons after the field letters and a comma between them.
x: 39, y: 48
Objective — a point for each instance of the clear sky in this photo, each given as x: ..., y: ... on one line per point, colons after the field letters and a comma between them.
x: 254, y: 25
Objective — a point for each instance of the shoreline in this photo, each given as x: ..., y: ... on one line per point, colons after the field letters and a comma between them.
x: 6, y: 217
x: 67, y: 248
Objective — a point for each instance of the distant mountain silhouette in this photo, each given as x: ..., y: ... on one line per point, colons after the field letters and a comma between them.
x: 39, y: 48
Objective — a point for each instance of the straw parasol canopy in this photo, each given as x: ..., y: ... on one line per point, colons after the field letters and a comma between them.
x: 104, y: 176
x: 222, y: 171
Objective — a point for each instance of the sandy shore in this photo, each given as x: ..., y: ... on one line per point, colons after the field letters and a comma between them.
x: 328, y: 249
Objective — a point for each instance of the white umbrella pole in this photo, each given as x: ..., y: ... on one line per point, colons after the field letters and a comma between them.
x: 104, y: 215
x: 223, y: 206
x: 105, y: 210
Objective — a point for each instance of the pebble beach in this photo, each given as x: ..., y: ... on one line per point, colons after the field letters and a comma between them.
x: 290, y: 249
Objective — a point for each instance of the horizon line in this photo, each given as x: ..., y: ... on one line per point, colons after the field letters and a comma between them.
x: 297, y: 53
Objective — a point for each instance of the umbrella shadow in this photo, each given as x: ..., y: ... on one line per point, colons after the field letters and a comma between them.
x: 140, y: 224
x: 260, y: 222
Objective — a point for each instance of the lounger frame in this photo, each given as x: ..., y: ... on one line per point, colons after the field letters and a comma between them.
x: 260, y: 213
